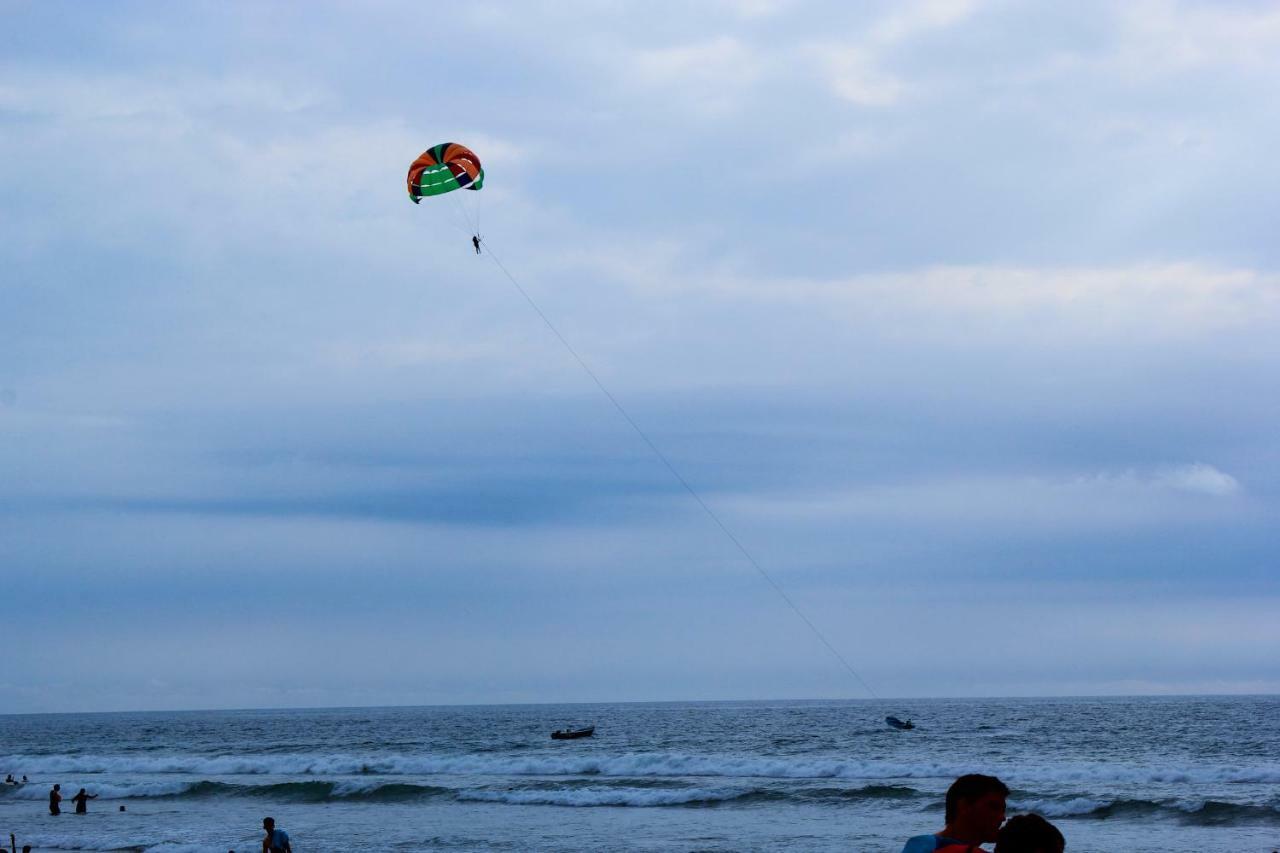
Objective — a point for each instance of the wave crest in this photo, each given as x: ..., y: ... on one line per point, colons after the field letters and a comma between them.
x: 650, y: 764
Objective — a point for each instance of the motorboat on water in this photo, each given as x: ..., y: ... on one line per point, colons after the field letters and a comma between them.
x: 571, y: 734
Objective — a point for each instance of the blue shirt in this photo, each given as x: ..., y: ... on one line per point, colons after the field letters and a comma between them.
x: 279, y: 839
x: 930, y: 843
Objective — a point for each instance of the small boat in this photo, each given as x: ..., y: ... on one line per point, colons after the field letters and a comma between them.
x: 895, y: 723
x: 570, y: 734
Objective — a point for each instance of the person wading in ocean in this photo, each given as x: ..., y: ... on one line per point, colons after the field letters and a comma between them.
x: 275, y: 840
x: 82, y: 801
x: 975, y: 810
x: 55, y: 800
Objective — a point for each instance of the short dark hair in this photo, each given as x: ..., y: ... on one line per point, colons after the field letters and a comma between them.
x: 971, y: 786
x: 1029, y: 833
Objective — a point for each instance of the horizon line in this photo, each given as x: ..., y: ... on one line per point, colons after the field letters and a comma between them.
x: 866, y: 701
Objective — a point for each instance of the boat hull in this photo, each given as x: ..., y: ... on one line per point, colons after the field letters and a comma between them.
x: 573, y: 734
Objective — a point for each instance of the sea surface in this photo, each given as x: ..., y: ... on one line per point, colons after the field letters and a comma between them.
x: 1116, y: 774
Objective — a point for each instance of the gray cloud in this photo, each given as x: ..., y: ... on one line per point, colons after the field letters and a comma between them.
x: 941, y: 305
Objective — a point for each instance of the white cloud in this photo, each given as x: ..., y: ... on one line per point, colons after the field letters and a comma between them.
x: 1085, y: 304
x: 758, y: 8
x: 413, y: 352
x: 89, y: 97
x: 854, y: 74
x: 1200, y: 479
x: 912, y: 19
x: 1150, y: 43
x: 854, y: 67
x: 1167, y: 35
x: 711, y: 75
x: 1105, y: 500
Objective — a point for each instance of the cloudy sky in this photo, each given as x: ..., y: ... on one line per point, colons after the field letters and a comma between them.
x: 963, y: 316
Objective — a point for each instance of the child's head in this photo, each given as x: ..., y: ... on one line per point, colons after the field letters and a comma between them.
x: 1029, y: 833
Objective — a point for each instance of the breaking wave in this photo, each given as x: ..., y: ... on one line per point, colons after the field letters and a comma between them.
x: 566, y: 792
x: 606, y: 796
x: 1194, y: 812
x: 311, y: 791
x: 655, y: 764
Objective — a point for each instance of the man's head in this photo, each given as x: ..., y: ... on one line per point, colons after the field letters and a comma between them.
x: 1030, y: 833
x: 57, y: 787
x: 975, y: 807
x: 268, y: 823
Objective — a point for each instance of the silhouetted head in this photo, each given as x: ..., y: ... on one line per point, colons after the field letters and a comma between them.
x: 975, y: 807
x: 82, y: 790
x: 268, y: 823
x: 57, y: 787
x: 1030, y: 833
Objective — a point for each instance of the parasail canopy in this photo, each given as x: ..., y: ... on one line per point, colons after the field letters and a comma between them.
x: 444, y: 168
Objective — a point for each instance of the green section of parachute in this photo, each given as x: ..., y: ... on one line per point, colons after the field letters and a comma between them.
x: 437, y: 180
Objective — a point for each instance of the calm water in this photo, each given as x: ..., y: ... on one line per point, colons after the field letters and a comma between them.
x: 1114, y: 774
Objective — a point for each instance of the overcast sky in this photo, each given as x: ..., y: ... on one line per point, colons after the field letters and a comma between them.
x: 963, y: 316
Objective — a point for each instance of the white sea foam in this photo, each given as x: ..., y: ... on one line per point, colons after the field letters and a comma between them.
x: 654, y: 764
x: 350, y: 787
x: 107, y: 791
x: 1060, y: 808
x: 1081, y: 806
x: 604, y: 797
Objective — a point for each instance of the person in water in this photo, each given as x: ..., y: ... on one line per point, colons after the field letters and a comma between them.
x: 275, y: 840
x: 55, y: 800
x: 82, y: 801
x: 475, y: 241
x: 9, y: 780
x: 1030, y: 833
x: 974, y: 811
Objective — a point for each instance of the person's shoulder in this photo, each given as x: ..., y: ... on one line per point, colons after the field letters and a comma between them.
x: 921, y: 844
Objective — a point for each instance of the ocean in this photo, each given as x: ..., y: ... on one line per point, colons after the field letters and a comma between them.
x: 1114, y: 774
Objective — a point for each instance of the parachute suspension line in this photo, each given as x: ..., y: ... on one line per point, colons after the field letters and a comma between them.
x: 662, y: 457
x: 473, y: 205
x: 466, y: 215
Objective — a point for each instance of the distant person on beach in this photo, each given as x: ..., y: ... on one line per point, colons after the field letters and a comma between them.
x: 275, y: 840
x: 475, y: 241
x: 1030, y: 833
x: 82, y: 801
x: 975, y: 810
x: 55, y: 799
